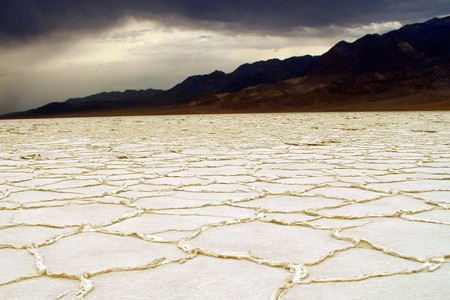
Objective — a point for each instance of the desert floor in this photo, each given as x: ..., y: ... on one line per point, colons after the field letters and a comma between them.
x: 292, y: 206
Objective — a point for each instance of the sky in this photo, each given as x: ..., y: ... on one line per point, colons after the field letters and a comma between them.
x: 52, y: 50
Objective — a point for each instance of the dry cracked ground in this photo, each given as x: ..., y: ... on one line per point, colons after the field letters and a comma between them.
x: 292, y: 206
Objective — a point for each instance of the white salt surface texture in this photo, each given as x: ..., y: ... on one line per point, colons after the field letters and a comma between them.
x: 264, y: 206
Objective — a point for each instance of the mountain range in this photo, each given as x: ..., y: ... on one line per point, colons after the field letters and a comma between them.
x: 405, y: 69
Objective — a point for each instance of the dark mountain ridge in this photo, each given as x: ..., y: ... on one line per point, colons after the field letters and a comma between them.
x: 244, y: 76
x: 412, y: 58
x: 106, y: 100
x: 412, y: 47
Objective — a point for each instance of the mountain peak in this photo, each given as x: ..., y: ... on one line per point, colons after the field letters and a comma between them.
x: 438, y: 21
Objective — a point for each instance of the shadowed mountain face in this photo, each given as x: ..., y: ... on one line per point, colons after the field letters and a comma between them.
x: 412, y: 48
x: 405, y: 63
x: 247, y: 75
x: 129, y: 98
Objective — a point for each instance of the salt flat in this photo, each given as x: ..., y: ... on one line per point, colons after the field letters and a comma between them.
x: 294, y: 206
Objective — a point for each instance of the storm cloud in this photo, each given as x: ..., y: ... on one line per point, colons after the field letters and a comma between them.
x: 22, y: 20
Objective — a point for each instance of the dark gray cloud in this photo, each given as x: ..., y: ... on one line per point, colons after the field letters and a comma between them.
x: 22, y: 20
x: 129, y: 34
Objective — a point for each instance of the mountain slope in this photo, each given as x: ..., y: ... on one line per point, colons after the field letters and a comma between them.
x: 411, y: 48
x: 102, y: 101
